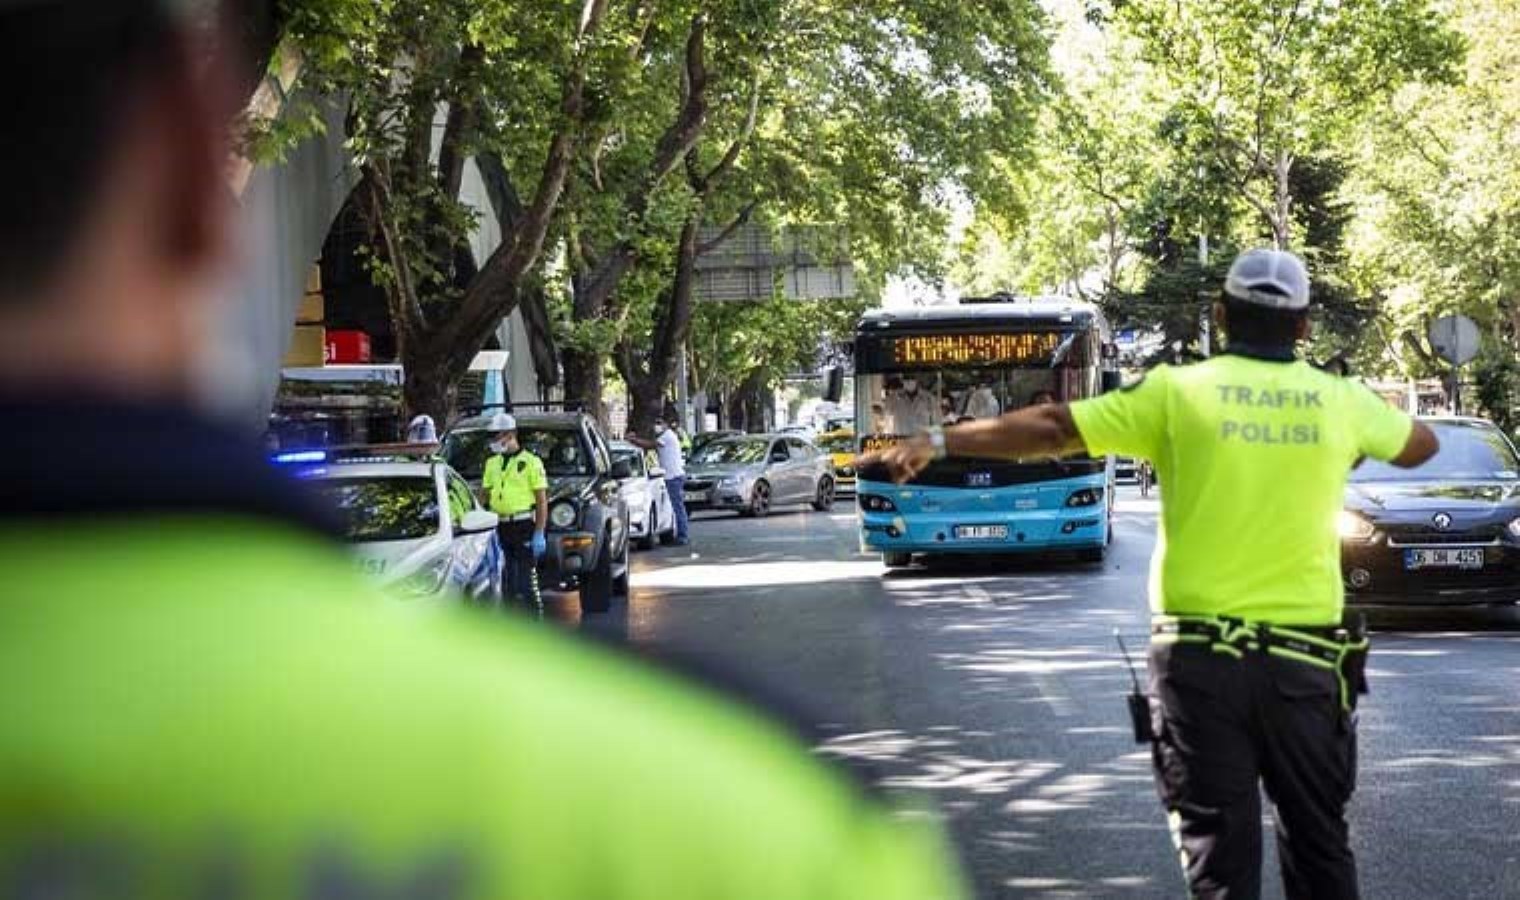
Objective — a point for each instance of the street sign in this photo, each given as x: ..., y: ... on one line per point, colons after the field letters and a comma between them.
x: 1454, y: 339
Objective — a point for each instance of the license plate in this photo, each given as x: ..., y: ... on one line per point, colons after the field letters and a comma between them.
x: 695, y: 497
x: 981, y: 532
x: 1444, y: 558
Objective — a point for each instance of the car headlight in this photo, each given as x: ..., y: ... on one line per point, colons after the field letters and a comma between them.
x: 1353, y: 526
x: 427, y: 580
x: 562, y: 515
x: 1514, y: 528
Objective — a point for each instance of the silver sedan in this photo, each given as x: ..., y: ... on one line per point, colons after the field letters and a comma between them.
x: 754, y: 473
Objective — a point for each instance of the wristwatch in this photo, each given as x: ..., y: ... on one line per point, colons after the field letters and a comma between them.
x: 937, y: 441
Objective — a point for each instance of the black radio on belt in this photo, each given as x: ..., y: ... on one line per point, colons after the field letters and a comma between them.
x: 1139, y: 702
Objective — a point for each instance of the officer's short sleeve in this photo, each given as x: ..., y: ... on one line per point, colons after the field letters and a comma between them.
x: 538, y: 480
x: 1130, y: 422
x: 1382, y: 431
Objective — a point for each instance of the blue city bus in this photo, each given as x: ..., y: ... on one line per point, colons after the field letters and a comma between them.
x: 935, y: 364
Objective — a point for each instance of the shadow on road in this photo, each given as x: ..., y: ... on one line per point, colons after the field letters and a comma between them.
x: 1443, y: 619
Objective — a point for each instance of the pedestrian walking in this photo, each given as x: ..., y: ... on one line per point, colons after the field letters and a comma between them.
x: 1253, y: 681
x: 516, y: 488
x: 200, y: 695
x: 667, y: 445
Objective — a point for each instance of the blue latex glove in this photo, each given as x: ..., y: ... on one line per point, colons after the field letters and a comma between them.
x: 539, y: 544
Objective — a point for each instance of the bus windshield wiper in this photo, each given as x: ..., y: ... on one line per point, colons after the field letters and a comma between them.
x: 1064, y: 350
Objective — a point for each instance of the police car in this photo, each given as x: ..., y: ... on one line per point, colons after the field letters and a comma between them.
x: 1444, y: 533
x: 411, y: 522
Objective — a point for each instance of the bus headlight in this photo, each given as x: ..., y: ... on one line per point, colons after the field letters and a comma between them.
x: 1354, y: 527
x: 876, y: 503
x: 1085, y: 497
x: 562, y: 515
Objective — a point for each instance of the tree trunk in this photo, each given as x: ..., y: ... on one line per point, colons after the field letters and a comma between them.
x: 748, y: 407
x: 584, y: 380
x: 430, y: 386
x: 647, y: 406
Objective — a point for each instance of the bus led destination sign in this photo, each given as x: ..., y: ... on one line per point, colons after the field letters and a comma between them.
x: 1019, y: 348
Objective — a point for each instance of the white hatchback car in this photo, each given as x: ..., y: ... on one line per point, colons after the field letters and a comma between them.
x: 651, y: 517
x: 413, y: 523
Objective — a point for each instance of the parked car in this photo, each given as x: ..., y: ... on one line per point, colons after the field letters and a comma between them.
x: 411, y: 521
x: 588, y: 532
x: 699, y: 441
x: 753, y: 474
x: 1444, y: 533
x: 651, y: 517
x: 840, y: 446
x: 1126, y: 470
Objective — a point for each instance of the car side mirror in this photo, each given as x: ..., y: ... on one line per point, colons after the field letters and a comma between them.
x: 655, y: 474
x: 622, y: 470
x: 478, y: 520
x: 1112, y: 380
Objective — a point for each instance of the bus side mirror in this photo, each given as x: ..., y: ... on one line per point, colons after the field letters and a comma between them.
x: 834, y: 389
x: 1112, y: 380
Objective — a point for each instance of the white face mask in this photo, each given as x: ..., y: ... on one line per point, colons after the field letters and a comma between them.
x: 659, y: 429
x: 910, y: 386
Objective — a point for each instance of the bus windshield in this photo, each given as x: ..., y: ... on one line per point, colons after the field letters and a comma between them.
x: 906, y: 402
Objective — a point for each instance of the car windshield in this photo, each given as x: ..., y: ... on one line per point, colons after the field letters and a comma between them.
x: 1469, y: 452
x: 559, y: 447
x: 731, y: 451
x: 631, y: 454
x: 382, y: 509
x: 839, y: 443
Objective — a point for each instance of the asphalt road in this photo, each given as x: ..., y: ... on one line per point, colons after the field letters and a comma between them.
x: 995, y: 696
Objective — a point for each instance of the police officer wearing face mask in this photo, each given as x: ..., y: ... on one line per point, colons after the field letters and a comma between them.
x: 516, y: 489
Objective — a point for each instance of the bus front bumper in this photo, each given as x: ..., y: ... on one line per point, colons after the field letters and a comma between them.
x: 1024, y: 531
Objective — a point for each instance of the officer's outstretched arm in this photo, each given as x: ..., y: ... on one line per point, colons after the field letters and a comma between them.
x: 1422, y: 445
x: 1047, y: 430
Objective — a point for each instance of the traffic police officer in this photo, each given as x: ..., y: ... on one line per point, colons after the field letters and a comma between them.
x: 517, y: 490
x: 199, y: 695
x: 1252, y: 679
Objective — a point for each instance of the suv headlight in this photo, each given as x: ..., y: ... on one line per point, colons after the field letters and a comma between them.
x: 1514, y: 528
x: 1353, y: 526
x: 562, y: 515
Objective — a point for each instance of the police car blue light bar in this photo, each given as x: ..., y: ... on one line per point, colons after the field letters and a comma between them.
x: 301, y: 456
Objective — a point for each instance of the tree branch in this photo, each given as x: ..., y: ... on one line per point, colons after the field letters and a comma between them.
x: 729, y: 230
x: 459, y: 126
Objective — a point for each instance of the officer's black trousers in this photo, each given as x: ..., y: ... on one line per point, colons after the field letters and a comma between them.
x: 1227, y: 724
x: 519, y: 570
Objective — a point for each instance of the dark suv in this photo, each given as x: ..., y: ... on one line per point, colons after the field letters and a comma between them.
x: 588, y: 521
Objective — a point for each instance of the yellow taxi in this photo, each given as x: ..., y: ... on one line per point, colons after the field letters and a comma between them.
x: 840, y: 445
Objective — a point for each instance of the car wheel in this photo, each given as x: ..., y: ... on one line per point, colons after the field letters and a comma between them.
x: 647, y: 542
x: 596, y: 587
x: 759, y: 501
x: 825, y: 499
x: 897, y: 560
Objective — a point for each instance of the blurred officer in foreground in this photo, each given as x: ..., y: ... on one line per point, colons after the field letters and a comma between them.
x: 516, y: 488
x: 198, y: 695
x: 1253, y: 681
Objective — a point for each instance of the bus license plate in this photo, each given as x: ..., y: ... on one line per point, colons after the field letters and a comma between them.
x: 1444, y: 558
x: 981, y: 532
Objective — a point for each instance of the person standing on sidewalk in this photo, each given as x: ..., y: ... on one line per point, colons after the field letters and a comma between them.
x: 1253, y: 680
x: 517, y: 489
x: 667, y: 444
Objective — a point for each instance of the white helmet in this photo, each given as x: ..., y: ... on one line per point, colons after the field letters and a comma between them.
x: 502, y: 422
x: 1271, y: 278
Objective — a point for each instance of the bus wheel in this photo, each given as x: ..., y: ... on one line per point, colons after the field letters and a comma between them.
x: 896, y: 560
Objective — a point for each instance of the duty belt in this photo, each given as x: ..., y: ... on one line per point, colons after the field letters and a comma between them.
x: 1338, y: 650
x: 516, y: 517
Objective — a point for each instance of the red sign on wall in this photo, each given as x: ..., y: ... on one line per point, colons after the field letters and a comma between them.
x: 347, y: 347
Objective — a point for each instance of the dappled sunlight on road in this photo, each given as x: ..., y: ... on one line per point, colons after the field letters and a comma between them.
x: 740, y: 574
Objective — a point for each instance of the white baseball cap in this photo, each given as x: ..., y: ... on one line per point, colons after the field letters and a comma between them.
x: 502, y: 422
x: 1271, y: 278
